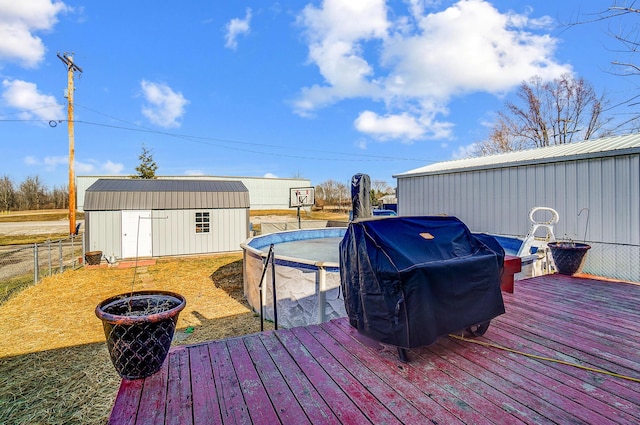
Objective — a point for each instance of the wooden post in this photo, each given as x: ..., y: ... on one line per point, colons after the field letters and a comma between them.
x: 71, y: 68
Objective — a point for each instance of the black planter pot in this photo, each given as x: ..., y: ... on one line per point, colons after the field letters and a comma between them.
x: 139, y: 327
x: 93, y: 258
x: 568, y: 256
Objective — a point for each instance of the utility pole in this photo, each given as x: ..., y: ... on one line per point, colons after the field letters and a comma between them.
x: 67, y: 59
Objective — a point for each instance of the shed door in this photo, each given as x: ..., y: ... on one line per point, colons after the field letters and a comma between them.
x: 136, y: 234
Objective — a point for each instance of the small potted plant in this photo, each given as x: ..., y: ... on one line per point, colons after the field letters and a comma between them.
x: 568, y: 256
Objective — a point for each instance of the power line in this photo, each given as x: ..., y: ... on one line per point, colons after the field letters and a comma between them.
x: 213, y: 141
x: 197, y: 139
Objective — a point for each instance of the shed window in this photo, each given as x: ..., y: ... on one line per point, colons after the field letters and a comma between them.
x: 202, y: 222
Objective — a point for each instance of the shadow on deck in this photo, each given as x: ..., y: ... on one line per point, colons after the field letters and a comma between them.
x: 330, y: 374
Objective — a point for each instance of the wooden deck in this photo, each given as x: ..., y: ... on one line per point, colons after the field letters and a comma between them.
x: 329, y: 374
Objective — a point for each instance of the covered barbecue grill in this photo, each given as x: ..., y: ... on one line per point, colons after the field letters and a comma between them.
x: 409, y: 280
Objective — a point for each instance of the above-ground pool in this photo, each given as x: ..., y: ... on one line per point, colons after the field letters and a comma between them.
x: 307, y: 274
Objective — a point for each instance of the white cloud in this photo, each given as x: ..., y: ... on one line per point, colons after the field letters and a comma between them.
x: 335, y: 33
x: 112, y: 168
x: 51, y: 163
x: 85, y: 168
x: 270, y: 176
x: 415, y: 64
x: 468, y: 47
x: 108, y: 167
x: 467, y: 151
x: 194, y: 173
x: 19, y: 21
x: 31, y: 160
x: 25, y: 97
x: 402, y: 126
x: 237, y: 27
x: 164, y: 106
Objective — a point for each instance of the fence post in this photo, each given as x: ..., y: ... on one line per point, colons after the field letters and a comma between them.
x: 49, y: 255
x: 60, y: 253
x: 73, y: 252
x: 35, y: 263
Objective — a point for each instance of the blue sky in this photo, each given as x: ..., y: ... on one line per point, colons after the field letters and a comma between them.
x: 318, y: 89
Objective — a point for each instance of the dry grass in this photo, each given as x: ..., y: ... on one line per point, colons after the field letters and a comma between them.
x: 31, y: 239
x: 37, y: 215
x: 54, y: 366
x: 293, y: 213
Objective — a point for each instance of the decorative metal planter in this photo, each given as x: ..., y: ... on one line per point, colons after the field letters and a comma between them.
x: 568, y: 256
x: 139, y: 327
x: 93, y: 258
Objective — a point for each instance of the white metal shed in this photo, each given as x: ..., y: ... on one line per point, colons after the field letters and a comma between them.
x: 594, y: 185
x: 265, y: 193
x: 130, y: 218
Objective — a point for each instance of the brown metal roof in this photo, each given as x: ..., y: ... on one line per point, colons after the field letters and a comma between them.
x: 156, y: 194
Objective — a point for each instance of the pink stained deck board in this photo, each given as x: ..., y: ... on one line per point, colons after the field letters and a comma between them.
x: 330, y: 373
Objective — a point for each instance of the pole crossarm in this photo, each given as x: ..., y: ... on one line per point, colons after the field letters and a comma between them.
x: 68, y: 60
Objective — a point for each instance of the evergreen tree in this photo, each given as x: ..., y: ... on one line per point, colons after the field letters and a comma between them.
x: 147, y: 168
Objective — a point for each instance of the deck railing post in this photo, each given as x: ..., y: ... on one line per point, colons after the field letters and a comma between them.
x: 322, y: 294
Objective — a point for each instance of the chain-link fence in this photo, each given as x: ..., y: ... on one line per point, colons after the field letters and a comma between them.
x: 615, y: 261
x: 25, y: 266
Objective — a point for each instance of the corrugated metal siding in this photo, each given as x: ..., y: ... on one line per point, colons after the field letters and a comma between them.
x: 499, y: 200
x: 103, y: 232
x: 588, y: 149
x: 175, y: 234
x: 132, y: 194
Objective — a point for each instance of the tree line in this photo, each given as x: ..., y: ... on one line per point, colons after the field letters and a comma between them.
x: 31, y: 194
x: 338, y: 194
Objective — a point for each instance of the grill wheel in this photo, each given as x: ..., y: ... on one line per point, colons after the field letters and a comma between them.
x: 476, y: 330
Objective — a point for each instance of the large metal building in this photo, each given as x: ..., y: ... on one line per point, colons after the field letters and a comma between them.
x: 265, y: 193
x: 130, y: 218
x: 594, y: 185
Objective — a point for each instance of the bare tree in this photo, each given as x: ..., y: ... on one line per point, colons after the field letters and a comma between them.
x: 625, y: 30
x: 32, y: 193
x: 381, y: 187
x: 7, y: 194
x: 60, y: 197
x: 327, y: 192
x: 548, y: 113
x: 501, y: 139
x: 332, y: 192
x: 343, y: 194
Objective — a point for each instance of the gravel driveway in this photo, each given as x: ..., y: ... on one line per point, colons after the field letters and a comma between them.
x: 35, y: 227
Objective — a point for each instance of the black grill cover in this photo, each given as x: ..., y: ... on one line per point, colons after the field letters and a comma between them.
x: 409, y: 280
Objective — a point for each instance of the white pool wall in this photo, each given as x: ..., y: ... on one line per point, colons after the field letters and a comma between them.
x: 302, y: 286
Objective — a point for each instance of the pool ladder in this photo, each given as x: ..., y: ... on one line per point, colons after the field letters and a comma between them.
x: 539, y: 242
